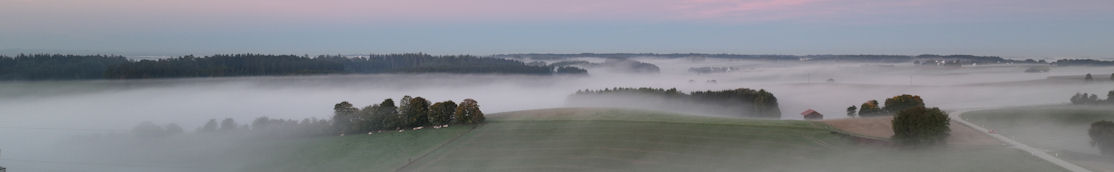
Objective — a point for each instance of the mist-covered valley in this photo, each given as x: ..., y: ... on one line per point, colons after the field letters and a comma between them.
x: 39, y: 118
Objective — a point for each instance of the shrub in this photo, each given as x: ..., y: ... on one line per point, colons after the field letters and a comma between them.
x: 1102, y: 136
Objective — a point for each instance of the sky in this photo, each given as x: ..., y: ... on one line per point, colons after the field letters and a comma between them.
x: 1008, y: 28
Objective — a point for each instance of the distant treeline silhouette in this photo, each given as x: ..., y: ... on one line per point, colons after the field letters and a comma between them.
x: 63, y: 67
x: 920, y: 59
x: 1092, y: 99
x: 738, y: 102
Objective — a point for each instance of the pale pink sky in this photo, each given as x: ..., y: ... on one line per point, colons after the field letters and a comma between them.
x: 88, y: 24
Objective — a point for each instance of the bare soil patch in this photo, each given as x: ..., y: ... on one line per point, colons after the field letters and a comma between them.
x: 882, y: 127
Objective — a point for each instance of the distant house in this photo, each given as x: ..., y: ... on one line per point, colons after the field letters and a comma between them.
x: 812, y: 115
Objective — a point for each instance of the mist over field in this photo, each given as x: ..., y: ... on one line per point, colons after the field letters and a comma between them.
x: 39, y: 117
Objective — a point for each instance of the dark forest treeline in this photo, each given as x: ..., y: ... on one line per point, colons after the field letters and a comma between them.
x: 924, y: 58
x: 1083, y: 62
x: 741, y: 101
x: 62, y: 67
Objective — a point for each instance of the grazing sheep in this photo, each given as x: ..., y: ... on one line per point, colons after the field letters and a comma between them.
x: 370, y: 132
x: 341, y: 134
x: 399, y: 131
x: 417, y: 128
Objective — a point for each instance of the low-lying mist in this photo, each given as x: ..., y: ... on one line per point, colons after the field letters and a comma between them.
x: 38, y: 117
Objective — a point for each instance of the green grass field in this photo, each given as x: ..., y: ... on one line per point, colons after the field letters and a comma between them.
x: 627, y: 140
x: 624, y: 140
x: 380, y: 152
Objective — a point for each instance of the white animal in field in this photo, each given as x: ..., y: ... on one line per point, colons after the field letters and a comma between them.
x: 399, y: 131
x: 370, y: 132
x: 417, y: 128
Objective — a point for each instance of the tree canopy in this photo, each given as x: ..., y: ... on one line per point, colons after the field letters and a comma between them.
x: 870, y: 108
x: 741, y: 101
x: 1102, y: 136
x: 919, y: 126
x: 902, y: 102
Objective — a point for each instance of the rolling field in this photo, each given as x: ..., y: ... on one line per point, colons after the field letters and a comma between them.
x: 567, y: 139
x: 1060, y: 129
x: 380, y: 152
x: 624, y: 140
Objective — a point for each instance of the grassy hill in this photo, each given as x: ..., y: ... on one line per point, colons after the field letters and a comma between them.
x: 628, y: 140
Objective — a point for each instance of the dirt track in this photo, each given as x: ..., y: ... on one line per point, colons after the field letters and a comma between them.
x: 882, y: 127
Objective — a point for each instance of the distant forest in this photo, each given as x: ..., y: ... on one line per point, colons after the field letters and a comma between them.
x: 66, y: 67
x: 920, y: 59
x: 743, y: 102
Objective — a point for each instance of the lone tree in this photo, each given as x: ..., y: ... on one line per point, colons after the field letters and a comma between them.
x: 921, y: 126
x: 1112, y: 76
x: 869, y: 108
x: 851, y: 111
x: 1102, y: 136
x: 898, y: 103
x: 1088, y: 77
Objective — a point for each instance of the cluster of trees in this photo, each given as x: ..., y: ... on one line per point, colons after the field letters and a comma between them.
x: 893, y: 105
x: 745, y: 101
x: 1082, y: 62
x: 1092, y: 99
x: 913, y: 123
x: 1088, y: 77
x: 262, y: 126
x: 60, y: 67
x: 614, y: 64
x: 1102, y: 136
x: 411, y: 112
x: 921, y: 126
x: 705, y: 70
x: 149, y: 130
x: 270, y: 127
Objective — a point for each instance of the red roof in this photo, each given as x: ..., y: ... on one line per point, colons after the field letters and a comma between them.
x: 809, y: 111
